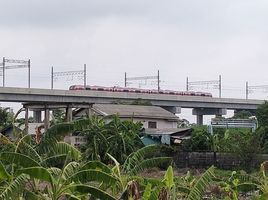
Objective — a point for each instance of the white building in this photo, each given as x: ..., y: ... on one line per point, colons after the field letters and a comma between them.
x: 152, y: 117
x: 157, y: 122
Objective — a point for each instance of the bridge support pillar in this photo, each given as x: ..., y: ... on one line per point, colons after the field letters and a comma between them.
x: 37, y: 116
x: 199, y: 112
x: 46, y: 120
x: 199, y: 119
x: 69, y: 114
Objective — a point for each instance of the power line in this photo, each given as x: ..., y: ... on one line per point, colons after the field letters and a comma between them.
x: 143, y: 78
x: 212, y: 84
x: 80, y: 74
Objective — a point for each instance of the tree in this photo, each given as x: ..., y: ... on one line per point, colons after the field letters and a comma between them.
x: 56, y: 174
x: 201, y: 140
x: 243, y: 114
x: 118, y: 138
x: 262, y: 114
x: 5, y: 117
x: 58, y: 116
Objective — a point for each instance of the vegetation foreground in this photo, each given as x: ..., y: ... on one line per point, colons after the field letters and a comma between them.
x: 52, y: 169
x: 109, y: 168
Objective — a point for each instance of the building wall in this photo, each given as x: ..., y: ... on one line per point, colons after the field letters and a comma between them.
x: 160, y: 123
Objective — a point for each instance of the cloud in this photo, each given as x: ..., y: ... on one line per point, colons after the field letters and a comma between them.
x: 200, y: 39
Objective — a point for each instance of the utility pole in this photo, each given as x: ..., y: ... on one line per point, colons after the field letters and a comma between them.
x: 144, y: 78
x: 187, y: 84
x: 246, y: 90
x: 85, y: 75
x: 252, y: 89
x: 158, y: 81
x: 29, y: 73
x: 80, y: 74
x: 15, y: 64
x: 219, y: 86
x: 52, y: 77
x: 4, y: 71
x: 212, y: 84
x: 125, y: 79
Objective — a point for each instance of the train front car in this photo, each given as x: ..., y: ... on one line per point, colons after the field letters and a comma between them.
x: 77, y: 87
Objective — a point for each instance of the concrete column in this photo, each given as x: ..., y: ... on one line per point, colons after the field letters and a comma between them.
x: 69, y: 114
x: 37, y: 116
x: 46, y: 120
x: 26, y: 120
x: 199, y: 112
x: 199, y: 119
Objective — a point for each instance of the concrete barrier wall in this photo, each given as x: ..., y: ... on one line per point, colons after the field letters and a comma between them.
x: 220, y: 160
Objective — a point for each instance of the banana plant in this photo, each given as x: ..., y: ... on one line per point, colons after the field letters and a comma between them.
x: 73, y: 180
x: 135, y: 163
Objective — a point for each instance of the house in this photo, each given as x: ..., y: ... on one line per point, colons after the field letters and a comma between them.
x: 160, y: 125
x: 152, y: 117
x: 11, y: 130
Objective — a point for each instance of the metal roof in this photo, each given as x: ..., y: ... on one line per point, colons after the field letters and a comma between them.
x: 167, y: 131
x: 137, y: 111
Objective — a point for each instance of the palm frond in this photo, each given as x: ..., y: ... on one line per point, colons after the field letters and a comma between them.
x: 55, y: 160
x: 116, y: 168
x: 81, y: 124
x: 18, y: 159
x: 169, y: 178
x: 70, y: 169
x: 95, y: 192
x: 3, y: 173
x: 155, y: 193
x: 199, y: 188
x: 31, y: 195
x: 147, y: 192
x: 247, y: 187
x: 183, y: 190
x: 68, y: 149
x: 39, y: 173
x: 149, y: 163
x: 4, y: 139
x: 24, y: 148
x: 97, y: 165
x: 25, y: 139
x: 53, y: 135
x: 85, y: 176
x: 71, y: 196
x: 14, y: 189
x: 54, y: 171
x: 137, y: 156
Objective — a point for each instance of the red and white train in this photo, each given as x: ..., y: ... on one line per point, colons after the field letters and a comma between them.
x: 138, y: 90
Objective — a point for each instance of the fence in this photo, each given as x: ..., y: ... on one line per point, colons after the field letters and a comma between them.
x: 220, y: 160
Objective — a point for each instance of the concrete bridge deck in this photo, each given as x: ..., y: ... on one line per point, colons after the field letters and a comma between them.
x: 47, y: 99
x: 43, y: 96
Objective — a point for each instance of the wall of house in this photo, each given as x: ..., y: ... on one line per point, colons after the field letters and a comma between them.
x: 160, y: 123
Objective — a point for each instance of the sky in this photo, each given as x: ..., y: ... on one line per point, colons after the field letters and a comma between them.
x: 199, y: 39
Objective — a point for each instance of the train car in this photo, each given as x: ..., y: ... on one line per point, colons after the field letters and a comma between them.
x: 138, y: 90
x: 77, y: 87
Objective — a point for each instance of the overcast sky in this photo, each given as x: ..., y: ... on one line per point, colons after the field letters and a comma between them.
x: 197, y: 38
